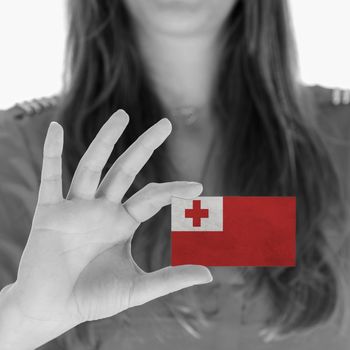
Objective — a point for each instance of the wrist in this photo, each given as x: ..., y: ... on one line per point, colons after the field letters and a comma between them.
x: 12, y: 329
x: 20, y: 331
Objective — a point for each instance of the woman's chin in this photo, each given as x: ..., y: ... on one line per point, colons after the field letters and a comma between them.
x: 180, y: 17
x: 180, y: 21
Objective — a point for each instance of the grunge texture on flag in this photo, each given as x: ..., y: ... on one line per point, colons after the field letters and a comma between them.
x: 233, y: 231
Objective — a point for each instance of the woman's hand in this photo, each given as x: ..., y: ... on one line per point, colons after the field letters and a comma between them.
x: 77, y: 264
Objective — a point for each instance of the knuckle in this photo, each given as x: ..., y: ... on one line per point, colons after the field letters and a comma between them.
x: 51, y: 149
x: 52, y: 178
x: 90, y: 167
x: 124, y: 173
x: 131, y: 295
x: 48, y: 155
x: 146, y: 143
x: 104, y: 142
x: 166, y: 274
x: 153, y: 207
x: 151, y: 186
x: 147, y: 147
x: 79, y: 193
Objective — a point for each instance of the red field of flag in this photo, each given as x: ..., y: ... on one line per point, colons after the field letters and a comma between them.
x: 234, y: 231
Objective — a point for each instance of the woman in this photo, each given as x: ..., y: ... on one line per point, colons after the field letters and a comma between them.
x: 224, y: 74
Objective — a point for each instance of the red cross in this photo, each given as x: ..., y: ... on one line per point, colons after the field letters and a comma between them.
x: 196, y: 213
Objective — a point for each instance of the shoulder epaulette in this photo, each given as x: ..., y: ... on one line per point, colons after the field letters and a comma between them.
x: 35, y: 106
x: 340, y: 96
x: 332, y: 96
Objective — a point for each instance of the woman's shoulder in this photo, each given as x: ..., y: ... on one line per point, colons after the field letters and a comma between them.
x: 330, y: 97
x: 32, y: 112
x: 23, y: 126
x: 22, y: 134
x: 332, y: 110
x: 331, y: 113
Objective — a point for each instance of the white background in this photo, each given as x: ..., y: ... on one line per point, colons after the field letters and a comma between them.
x: 32, y: 35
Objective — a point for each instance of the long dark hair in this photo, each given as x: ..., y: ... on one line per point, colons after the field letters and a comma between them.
x: 272, y: 146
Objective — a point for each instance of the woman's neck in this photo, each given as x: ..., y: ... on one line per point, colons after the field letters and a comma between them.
x: 182, y: 69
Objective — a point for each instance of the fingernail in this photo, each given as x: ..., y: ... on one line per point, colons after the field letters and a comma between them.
x: 55, y: 128
x: 193, y: 183
x: 196, y: 185
x: 165, y: 122
x: 55, y: 124
x: 209, y: 276
x: 121, y: 115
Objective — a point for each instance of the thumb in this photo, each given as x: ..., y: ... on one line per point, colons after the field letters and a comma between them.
x: 167, y: 280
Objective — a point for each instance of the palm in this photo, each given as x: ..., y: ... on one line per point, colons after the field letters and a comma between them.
x: 105, y: 286
x: 90, y: 256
